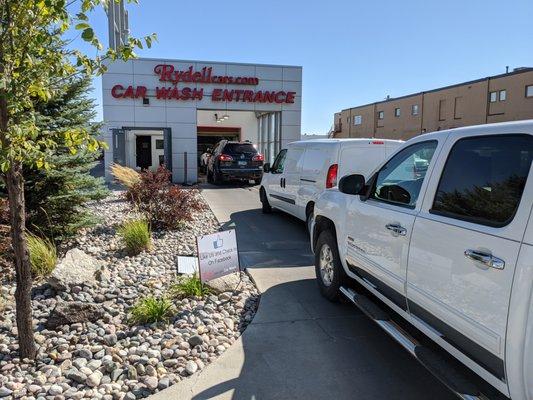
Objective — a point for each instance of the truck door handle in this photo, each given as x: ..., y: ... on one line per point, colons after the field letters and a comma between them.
x: 282, y: 182
x: 485, y: 258
x: 396, y: 229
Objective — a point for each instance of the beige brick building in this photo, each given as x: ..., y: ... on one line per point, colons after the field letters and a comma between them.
x: 506, y: 97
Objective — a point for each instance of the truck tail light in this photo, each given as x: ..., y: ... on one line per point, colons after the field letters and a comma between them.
x: 258, y: 157
x: 331, y: 178
x: 378, y: 142
x: 225, y: 157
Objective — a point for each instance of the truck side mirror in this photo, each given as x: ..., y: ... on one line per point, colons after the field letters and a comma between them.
x: 266, y: 168
x: 352, y: 184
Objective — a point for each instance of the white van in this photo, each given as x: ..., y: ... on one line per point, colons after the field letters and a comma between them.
x: 306, y: 168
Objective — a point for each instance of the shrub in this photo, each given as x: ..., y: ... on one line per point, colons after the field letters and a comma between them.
x: 125, y: 176
x: 43, y: 256
x: 56, y: 197
x: 189, y: 286
x: 136, y: 235
x: 166, y: 205
x: 151, y: 309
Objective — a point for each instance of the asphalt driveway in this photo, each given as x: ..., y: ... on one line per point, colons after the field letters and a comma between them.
x: 299, y: 346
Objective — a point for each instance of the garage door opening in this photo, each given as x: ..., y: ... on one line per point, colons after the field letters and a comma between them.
x: 208, y: 137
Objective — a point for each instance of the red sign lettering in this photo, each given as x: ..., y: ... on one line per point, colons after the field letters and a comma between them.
x: 168, y: 73
x: 118, y: 92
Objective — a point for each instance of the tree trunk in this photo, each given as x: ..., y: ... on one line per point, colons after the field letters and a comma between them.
x: 15, y: 188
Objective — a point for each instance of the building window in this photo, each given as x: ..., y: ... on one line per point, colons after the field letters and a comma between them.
x: 381, y: 114
x: 529, y: 91
x: 348, y: 120
x: 458, y: 108
x: 493, y: 97
x: 357, y: 120
x: 503, y: 95
x: 414, y: 109
x: 159, y: 144
x: 397, y: 112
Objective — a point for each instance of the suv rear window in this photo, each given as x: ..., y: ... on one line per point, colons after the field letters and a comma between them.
x: 236, y: 148
x: 483, y: 179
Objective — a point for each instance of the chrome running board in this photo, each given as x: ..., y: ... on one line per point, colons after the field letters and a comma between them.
x: 435, y: 363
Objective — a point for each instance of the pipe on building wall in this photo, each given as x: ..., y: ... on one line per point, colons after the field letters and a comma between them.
x: 422, y: 114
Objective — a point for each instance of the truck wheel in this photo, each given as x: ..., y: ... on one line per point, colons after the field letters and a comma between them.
x: 266, y: 207
x: 330, y: 274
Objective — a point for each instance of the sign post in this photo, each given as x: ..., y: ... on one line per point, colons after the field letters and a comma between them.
x: 217, y: 255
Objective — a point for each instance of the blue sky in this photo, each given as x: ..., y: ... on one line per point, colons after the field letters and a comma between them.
x: 352, y: 52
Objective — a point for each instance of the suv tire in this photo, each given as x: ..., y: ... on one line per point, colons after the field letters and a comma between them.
x: 330, y: 274
x: 217, y: 179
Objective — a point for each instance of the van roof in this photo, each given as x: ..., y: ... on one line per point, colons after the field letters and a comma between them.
x: 341, y: 140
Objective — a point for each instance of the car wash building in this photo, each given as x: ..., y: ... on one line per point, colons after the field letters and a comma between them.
x: 168, y: 112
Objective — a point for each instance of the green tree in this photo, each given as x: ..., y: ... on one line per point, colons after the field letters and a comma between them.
x: 31, y: 70
x: 55, y: 196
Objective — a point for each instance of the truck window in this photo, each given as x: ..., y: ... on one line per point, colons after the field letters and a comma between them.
x: 399, y: 181
x: 279, y: 162
x: 483, y: 179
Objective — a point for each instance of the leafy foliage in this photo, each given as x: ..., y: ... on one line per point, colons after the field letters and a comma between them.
x: 166, y: 205
x: 189, y: 286
x: 43, y: 255
x: 126, y: 176
x: 136, y: 236
x: 151, y: 309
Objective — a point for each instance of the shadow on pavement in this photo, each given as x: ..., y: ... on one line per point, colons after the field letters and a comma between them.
x: 300, y: 346
x: 272, y: 240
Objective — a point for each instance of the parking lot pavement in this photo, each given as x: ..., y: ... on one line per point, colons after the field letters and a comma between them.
x: 299, y: 346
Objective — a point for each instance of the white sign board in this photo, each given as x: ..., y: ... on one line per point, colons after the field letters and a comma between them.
x: 187, y: 265
x: 217, y: 254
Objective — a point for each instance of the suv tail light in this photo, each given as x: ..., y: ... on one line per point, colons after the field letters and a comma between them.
x: 258, y: 157
x: 331, y: 178
x: 225, y: 157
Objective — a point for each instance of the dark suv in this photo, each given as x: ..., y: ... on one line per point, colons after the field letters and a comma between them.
x: 235, y: 160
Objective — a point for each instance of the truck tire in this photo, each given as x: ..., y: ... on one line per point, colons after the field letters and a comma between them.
x: 266, y: 208
x: 330, y: 274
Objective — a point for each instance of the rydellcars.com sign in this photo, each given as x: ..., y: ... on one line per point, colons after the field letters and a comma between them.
x: 217, y: 254
x: 183, y: 85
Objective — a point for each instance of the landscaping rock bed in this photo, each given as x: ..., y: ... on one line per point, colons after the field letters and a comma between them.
x: 98, y: 354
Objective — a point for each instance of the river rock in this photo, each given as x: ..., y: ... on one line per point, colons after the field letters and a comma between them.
x: 66, y: 313
x: 227, y: 283
x: 75, y: 269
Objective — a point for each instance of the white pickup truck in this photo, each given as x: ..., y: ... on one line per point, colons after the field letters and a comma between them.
x: 439, y: 240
